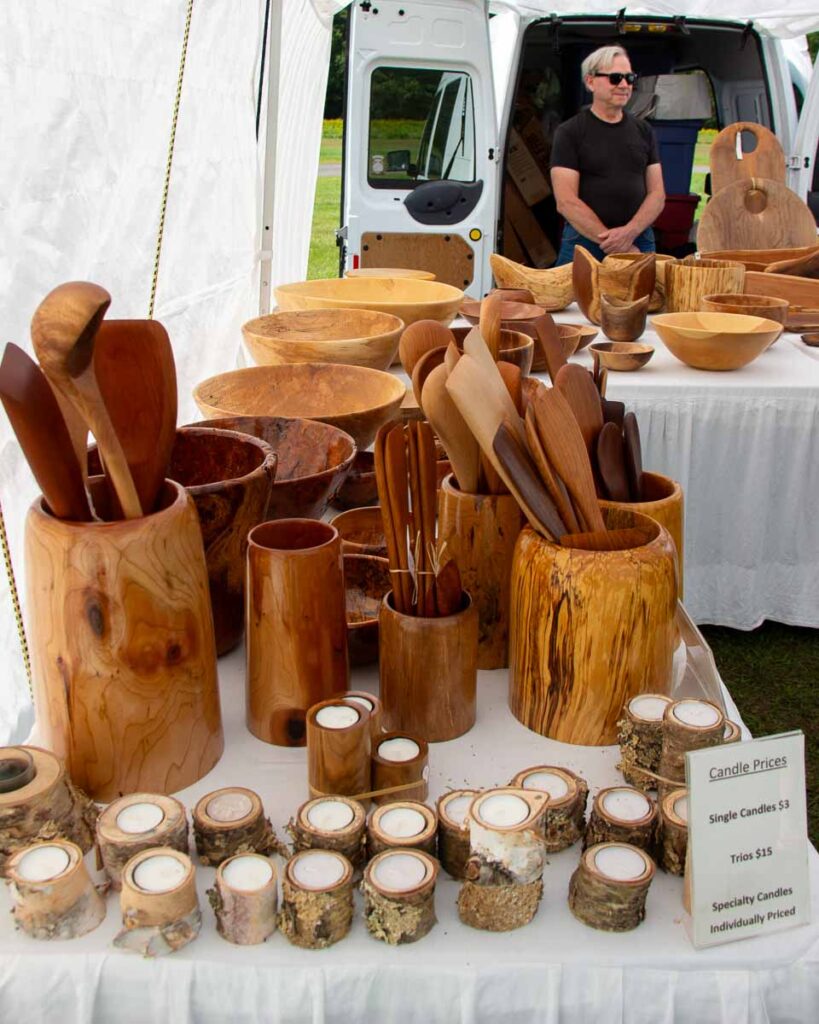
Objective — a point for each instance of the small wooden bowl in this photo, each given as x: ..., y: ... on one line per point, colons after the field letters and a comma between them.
x: 517, y: 345
x: 811, y: 338
x: 366, y: 581
x: 471, y: 311
x: 360, y: 488
x: 357, y: 337
x: 361, y: 531
x: 353, y: 398
x: 622, y: 355
x: 405, y: 297
x: 587, y: 335
x: 765, y: 306
x: 418, y: 275
x: 570, y: 335
x: 716, y: 341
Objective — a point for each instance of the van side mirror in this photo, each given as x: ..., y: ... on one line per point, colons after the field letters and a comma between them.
x: 398, y: 160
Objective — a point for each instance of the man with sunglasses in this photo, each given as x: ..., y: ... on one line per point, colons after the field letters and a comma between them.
x: 606, y: 173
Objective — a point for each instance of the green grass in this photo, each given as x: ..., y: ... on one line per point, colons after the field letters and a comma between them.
x: 323, y: 260
x: 330, y: 152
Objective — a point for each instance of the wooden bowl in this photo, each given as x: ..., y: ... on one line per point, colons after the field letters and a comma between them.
x: 314, y: 460
x: 418, y: 275
x: 622, y: 355
x: 587, y: 335
x: 517, y: 345
x: 366, y: 581
x: 570, y: 335
x: 361, y: 531
x: 357, y: 337
x: 716, y: 341
x: 353, y: 398
x: 513, y: 294
x: 404, y: 297
x: 765, y: 306
x: 471, y: 311
x: 359, y: 489
x: 811, y: 339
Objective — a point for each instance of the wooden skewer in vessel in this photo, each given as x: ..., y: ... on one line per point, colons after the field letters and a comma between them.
x: 503, y: 883
x: 244, y: 899
x: 52, y: 895
x: 409, y: 824
x: 372, y: 705
x: 674, y: 831
x: 564, y: 821
x: 338, y: 748
x: 400, y: 762
x: 399, y: 896
x: 331, y: 823
x: 48, y: 806
x: 640, y: 735
x: 733, y: 733
x: 317, y: 899
x: 622, y: 814
x: 160, y: 908
x: 138, y: 822
x: 453, y: 830
x: 230, y: 821
x: 609, y: 887
x: 687, y: 725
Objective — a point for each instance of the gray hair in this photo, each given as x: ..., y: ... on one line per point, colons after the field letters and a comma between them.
x: 600, y: 59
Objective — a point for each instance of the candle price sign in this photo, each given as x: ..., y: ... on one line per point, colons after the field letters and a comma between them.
x: 748, y: 843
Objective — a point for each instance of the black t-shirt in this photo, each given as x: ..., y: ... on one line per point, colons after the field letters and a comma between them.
x: 611, y: 159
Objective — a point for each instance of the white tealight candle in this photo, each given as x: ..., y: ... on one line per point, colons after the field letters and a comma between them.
x: 42, y: 863
x: 503, y: 810
x: 401, y: 748
x: 248, y: 872
x: 696, y: 712
x: 315, y: 869
x: 681, y: 807
x: 457, y: 808
x: 229, y: 807
x: 330, y: 815
x: 160, y: 873
x: 626, y: 804
x: 402, y: 822
x: 649, y: 708
x: 620, y: 863
x: 142, y: 817
x: 547, y: 782
x: 366, y: 704
x: 400, y: 872
x: 337, y: 716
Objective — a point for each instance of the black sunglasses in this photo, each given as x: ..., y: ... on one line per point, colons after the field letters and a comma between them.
x: 616, y: 77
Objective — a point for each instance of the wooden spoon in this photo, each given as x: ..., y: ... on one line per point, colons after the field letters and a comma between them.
x: 419, y: 338
x: 611, y: 463
x: 550, y: 344
x: 577, y: 387
x: 452, y: 356
x: 490, y: 323
x: 555, y: 486
x: 613, y: 412
x: 395, y: 458
x: 63, y: 330
x: 423, y: 368
x: 523, y: 481
x: 513, y: 381
x: 450, y: 426
x: 36, y: 419
x: 633, y: 456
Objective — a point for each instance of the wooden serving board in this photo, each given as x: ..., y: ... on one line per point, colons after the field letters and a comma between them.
x: 799, y: 291
x: 756, y: 213
x: 730, y: 164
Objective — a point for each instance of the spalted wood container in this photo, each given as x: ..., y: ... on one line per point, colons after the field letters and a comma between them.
x: 590, y: 630
x: 122, y: 646
x: 480, y: 531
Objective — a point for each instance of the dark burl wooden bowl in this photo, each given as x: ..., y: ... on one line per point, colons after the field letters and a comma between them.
x: 360, y: 488
x: 361, y: 531
x: 366, y: 581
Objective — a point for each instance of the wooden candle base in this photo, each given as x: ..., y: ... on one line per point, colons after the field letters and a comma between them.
x: 399, y: 911
x: 609, y: 823
x: 609, y: 903
x: 640, y: 735
x: 687, y: 725
x: 674, y: 831
x: 564, y: 821
x: 453, y: 830
x: 314, y: 918
x: 405, y: 824
x: 405, y: 779
x: 732, y: 734
x: 372, y: 705
x: 230, y: 821
x: 117, y: 844
x: 245, y: 917
x: 338, y: 748
x: 498, y: 908
x: 155, y: 923
x: 310, y: 829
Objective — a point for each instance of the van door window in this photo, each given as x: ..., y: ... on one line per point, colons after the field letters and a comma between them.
x: 422, y: 127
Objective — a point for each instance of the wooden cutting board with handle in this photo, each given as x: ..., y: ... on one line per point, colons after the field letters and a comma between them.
x: 730, y: 164
x: 756, y: 213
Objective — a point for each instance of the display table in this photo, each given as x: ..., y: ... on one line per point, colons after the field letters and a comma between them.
x: 554, y: 969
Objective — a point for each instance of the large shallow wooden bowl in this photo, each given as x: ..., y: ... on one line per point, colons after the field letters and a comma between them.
x: 765, y: 306
x: 314, y: 460
x: 353, y: 398
x: 366, y: 583
x: 407, y: 298
x: 716, y: 341
x: 357, y: 337
x: 419, y: 275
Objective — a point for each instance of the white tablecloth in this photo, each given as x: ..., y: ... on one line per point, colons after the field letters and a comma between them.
x: 555, y: 969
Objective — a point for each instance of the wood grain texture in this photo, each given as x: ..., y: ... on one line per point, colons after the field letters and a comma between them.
x: 687, y: 283
x: 766, y: 160
x: 799, y: 291
x: 756, y: 213
x: 766, y: 306
x: 401, y: 773
x: 338, y: 760
x: 551, y: 288
x: 590, y: 630
x: 123, y: 652
x: 752, y: 258
x: 627, y: 280
x: 623, y: 319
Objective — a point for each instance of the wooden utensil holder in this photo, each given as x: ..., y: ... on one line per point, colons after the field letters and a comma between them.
x: 296, y: 626
x: 122, y: 644
x: 480, y: 531
x: 429, y: 671
x: 589, y: 630
x: 689, y: 281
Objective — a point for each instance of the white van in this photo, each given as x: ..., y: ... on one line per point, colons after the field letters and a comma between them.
x: 451, y: 105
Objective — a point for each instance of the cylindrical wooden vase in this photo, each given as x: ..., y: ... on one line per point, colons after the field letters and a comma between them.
x: 622, y: 814
x: 688, y: 281
x: 317, y: 898
x: 122, y: 647
x: 674, y: 831
x: 429, y: 671
x: 160, y: 908
x: 564, y: 820
x: 687, y: 725
x: 296, y: 626
x: 405, y: 823
x: 590, y: 629
x: 400, y: 762
x: 331, y: 823
x: 230, y: 821
x: 399, y: 896
x: 338, y: 748
x: 372, y: 705
x: 230, y: 478
x: 453, y: 830
x: 244, y: 899
x: 609, y: 887
x: 47, y: 807
x: 640, y: 736
x: 138, y: 822
x: 52, y: 895
x: 480, y: 531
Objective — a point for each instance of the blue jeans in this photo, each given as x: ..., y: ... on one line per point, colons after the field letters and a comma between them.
x: 644, y: 242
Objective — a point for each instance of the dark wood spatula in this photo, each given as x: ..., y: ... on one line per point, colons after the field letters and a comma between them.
x: 525, y: 483
x: 634, y: 456
x: 611, y: 463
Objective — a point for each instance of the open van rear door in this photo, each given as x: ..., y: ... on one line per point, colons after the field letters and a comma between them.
x: 421, y: 152
x: 803, y: 174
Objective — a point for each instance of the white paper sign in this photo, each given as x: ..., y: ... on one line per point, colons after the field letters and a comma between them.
x: 748, y: 844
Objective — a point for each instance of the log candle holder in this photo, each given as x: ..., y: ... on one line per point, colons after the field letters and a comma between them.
x: 400, y: 764
x: 51, y: 893
x: 674, y: 831
x: 244, y: 899
x: 160, y: 909
x: 16, y: 768
x: 372, y: 705
x: 338, y: 748
x: 317, y: 899
x: 399, y: 896
x: 138, y: 822
x: 230, y: 821
x: 564, y: 821
x: 621, y: 814
x: 408, y: 824
x: 453, y: 830
x: 640, y: 735
x: 687, y: 725
x: 609, y: 887
x: 733, y: 733
x: 331, y: 823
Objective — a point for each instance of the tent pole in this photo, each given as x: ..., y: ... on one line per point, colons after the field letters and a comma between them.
x: 270, y: 141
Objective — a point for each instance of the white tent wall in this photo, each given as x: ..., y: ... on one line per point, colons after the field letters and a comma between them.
x: 86, y: 98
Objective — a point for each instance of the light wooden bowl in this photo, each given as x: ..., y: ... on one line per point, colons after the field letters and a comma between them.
x: 716, y: 341
x: 361, y: 531
x: 765, y: 306
x: 570, y: 335
x: 353, y: 398
x: 366, y: 581
x: 357, y: 337
x: 407, y: 298
x: 509, y: 311
x: 587, y: 335
x: 418, y: 275
x: 517, y: 346
x: 622, y: 356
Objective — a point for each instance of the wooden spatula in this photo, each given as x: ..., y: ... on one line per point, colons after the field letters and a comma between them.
x: 633, y: 456
x: 490, y: 323
x: 613, y: 412
x: 447, y: 422
x: 423, y: 368
x: 611, y: 463
x: 555, y: 486
x: 577, y: 387
x: 522, y: 479
x: 550, y: 344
